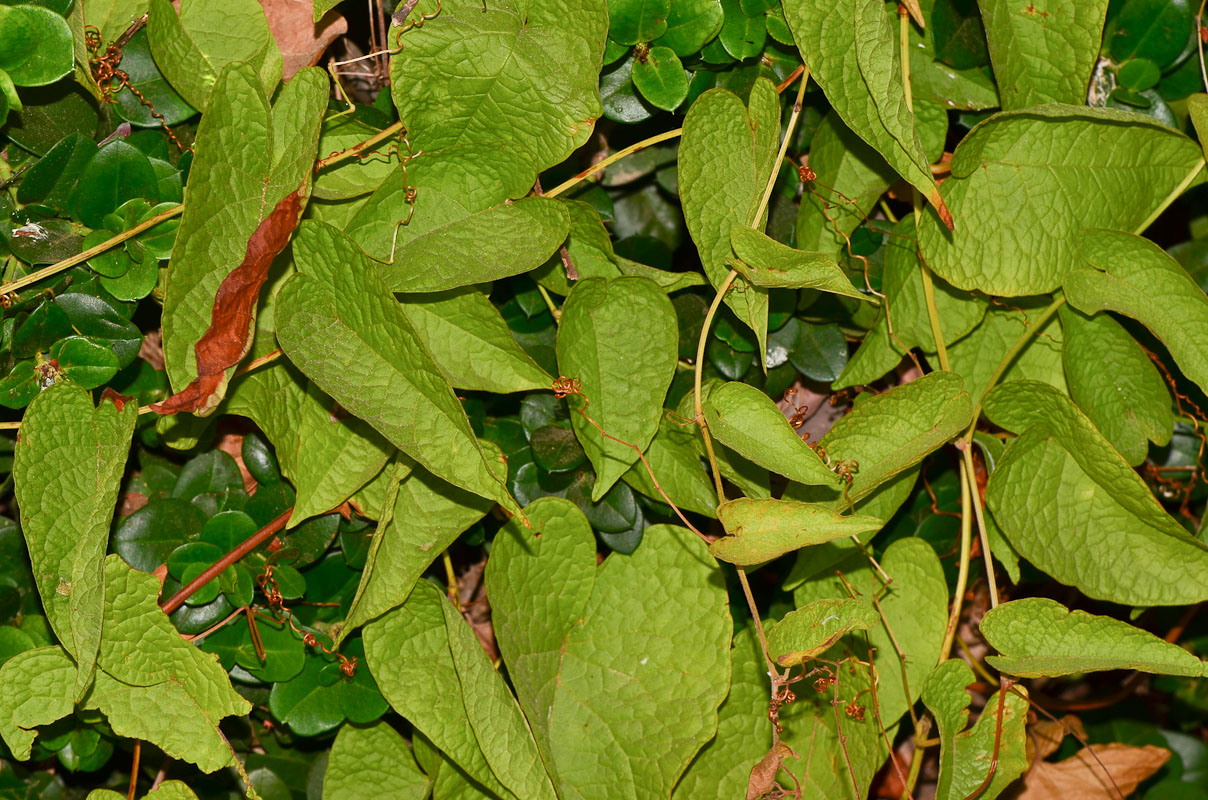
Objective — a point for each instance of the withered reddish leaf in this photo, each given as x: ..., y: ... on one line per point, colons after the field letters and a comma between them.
x: 1083, y: 776
x: 229, y: 337
x: 300, y: 39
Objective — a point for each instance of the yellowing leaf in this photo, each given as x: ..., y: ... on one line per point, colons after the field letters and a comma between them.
x: 760, y: 530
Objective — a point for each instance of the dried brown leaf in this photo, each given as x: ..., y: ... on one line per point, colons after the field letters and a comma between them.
x: 763, y: 774
x: 229, y: 337
x: 1085, y: 777
x: 300, y: 39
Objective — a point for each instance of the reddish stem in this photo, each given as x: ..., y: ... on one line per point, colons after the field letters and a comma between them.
x: 214, y: 570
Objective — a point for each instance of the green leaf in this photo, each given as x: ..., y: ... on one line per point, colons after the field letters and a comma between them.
x: 339, y: 323
x: 850, y: 176
x: 906, y: 300
x: 811, y: 630
x: 35, y: 45
x: 501, y: 241
x: 1129, y: 403
x: 690, y: 25
x: 424, y: 516
x: 1038, y: 59
x: 1040, y: 637
x: 372, y: 760
x: 966, y: 757
x: 977, y: 356
x: 625, y: 326
x: 761, y: 530
x: 633, y: 21
x: 674, y: 456
x: 747, y: 476
x: 1151, y: 29
x: 661, y: 79
x: 891, y: 432
x: 533, y: 71
x: 1134, y: 277
x: 409, y: 653
x: 471, y: 343
x: 356, y: 176
x: 284, y: 652
x: 145, y: 77
x: 88, y: 363
x: 1197, y: 108
x: 746, y: 420
x: 1060, y: 169
x: 853, y: 55
x: 51, y: 180
x: 68, y: 464
x: 153, y: 684
x: 308, y: 704
x: 726, y: 156
x: 327, y: 456
x: 193, y: 48
x: 913, y: 615
x: 248, y: 160
x: 114, y: 174
x: 765, y: 262
x: 598, y: 661
x: 39, y: 690
x: 741, y: 36
x: 1062, y: 476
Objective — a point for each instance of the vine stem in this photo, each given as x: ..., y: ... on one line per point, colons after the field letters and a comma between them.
x: 962, y: 576
x: 1199, y: 41
x: 239, y: 551
x: 359, y: 148
x: 980, y: 518
x: 612, y: 159
x: 697, y: 376
x: 138, y: 749
x: 68, y: 263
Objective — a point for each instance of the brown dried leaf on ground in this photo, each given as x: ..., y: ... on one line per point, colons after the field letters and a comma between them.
x: 300, y: 39
x: 229, y: 337
x: 1086, y: 777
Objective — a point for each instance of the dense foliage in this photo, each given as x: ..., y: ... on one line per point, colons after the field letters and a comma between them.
x: 585, y: 399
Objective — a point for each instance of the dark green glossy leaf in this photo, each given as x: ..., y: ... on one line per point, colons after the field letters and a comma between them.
x: 661, y: 79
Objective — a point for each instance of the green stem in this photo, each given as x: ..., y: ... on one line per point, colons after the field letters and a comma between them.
x: 784, y: 146
x: 612, y: 159
x: 962, y: 577
x: 697, y: 407
x: 554, y: 311
x: 979, y: 517
x: 357, y: 149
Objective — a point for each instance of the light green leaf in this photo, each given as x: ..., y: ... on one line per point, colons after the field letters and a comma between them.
x: 192, y: 49
x: 1059, y: 169
x: 171, y: 790
x: 725, y: 158
x: 1129, y: 403
x: 39, y: 687
x: 248, y: 160
x: 595, y: 653
x: 914, y: 615
x: 902, y: 284
x: 850, y: 176
x: 423, y: 516
x: 153, y: 684
x: 68, y: 465
x: 766, y: 262
x: 619, y: 339
x: 498, y: 242
x: 966, y: 757
x: 1197, y: 109
x: 1062, y: 477
x: 760, y: 530
x: 1043, y: 56
x: 471, y: 343
x: 976, y: 356
x: 935, y: 81
x: 372, y: 760
x: 890, y: 433
x: 853, y: 54
x: 723, y: 766
x: 674, y: 457
x: 523, y: 74
x: 112, y: 17
x: 340, y: 324
x: 326, y: 455
x: 745, y: 419
x: 355, y: 176
x: 1135, y: 277
x: 811, y: 630
x: 753, y: 480
x: 454, y: 182
x: 1037, y: 637
x: 408, y: 652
